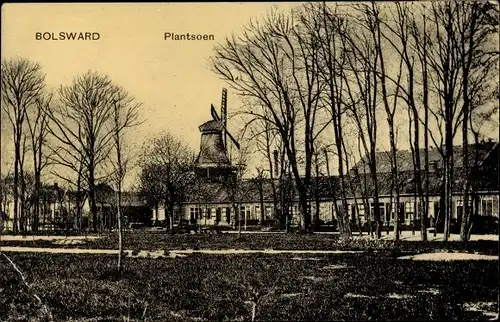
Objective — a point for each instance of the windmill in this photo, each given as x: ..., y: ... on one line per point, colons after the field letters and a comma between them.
x: 213, y: 159
x: 223, y: 119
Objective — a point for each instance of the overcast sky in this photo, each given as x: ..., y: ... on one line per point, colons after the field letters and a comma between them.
x: 171, y: 78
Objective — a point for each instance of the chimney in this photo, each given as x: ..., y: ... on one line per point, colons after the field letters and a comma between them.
x: 276, y: 168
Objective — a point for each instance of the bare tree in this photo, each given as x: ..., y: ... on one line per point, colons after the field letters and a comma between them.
x: 399, y: 33
x: 124, y: 117
x: 79, y: 127
x: 362, y: 86
x: 275, y: 63
x: 266, y: 141
x: 446, y: 69
x: 420, y: 38
x: 477, y: 28
x: 166, y: 170
x: 235, y: 186
x: 6, y: 191
x: 22, y: 84
x: 328, y: 28
x: 457, y: 59
x: 259, y: 181
x: 37, y: 121
x: 374, y: 23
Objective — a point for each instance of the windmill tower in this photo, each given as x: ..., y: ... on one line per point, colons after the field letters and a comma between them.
x: 213, y: 161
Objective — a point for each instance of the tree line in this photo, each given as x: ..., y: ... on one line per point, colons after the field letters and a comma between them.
x: 317, y: 84
x: 81, y: 129
x: 322, y: 80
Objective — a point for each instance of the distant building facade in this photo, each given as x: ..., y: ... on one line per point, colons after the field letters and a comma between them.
x: 212, y: 202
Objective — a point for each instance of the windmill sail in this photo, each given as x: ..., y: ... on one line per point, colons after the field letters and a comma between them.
x: 234, y: 140
x: 223, y: 115
x: 215, y: 116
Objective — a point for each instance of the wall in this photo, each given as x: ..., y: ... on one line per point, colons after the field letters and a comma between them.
x: 251, y: 212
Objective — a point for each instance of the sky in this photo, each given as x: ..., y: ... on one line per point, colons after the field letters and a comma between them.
x: 172, y: 79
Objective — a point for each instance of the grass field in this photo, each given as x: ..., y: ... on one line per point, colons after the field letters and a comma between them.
x: 372, y: 285
x: 286, y: 287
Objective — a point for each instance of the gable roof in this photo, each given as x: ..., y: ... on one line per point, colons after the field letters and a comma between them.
x: 405, y: 158
x: 247, y: 190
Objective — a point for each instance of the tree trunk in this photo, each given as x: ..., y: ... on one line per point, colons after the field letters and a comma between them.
x: 36, y: 202
x: 22, y: 197
x: 447, y: 192
x: 426, y: 142
x: 92, y: 199
x: 17, y: 152
x: 120, y: 233
x: 261, y: 197
x: 170, y: 215
x: 376, y: 208
x: 238, y: 212
x: 465, y: 175
x: 340, y: 216
x: 272, y: 171
x: 465, y: 147
x: 396, y: 180
x: 305, y: 223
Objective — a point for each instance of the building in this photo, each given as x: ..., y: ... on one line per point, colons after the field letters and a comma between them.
x: 211, y: 204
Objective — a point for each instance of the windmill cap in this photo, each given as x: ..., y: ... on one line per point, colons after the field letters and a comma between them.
x: 212, y: 126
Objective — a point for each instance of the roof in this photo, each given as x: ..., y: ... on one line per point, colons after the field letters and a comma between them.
x: 212, y: 125
x: 357, y: 184
x: 405, y: 158
x: 129, y: 198
x: 247, y: 190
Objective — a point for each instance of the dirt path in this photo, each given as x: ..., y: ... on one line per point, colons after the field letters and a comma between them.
x: 183, y: 252
x: 19, y: 249
x: 405, y: 236
x: 438, y: 256
x: 31, y: 238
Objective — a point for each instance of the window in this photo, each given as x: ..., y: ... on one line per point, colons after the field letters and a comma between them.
x: 195, y: 213
x: 361, y: 209
x: 409, y: 210
x: 487, y: 207
x: 392, y: 210
x: 495, y: 207
x: 460, y: 207
x: 382, y: 211
x: 381, y: 207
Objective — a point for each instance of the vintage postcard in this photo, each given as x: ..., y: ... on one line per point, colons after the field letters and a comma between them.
x: 250, y: 161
